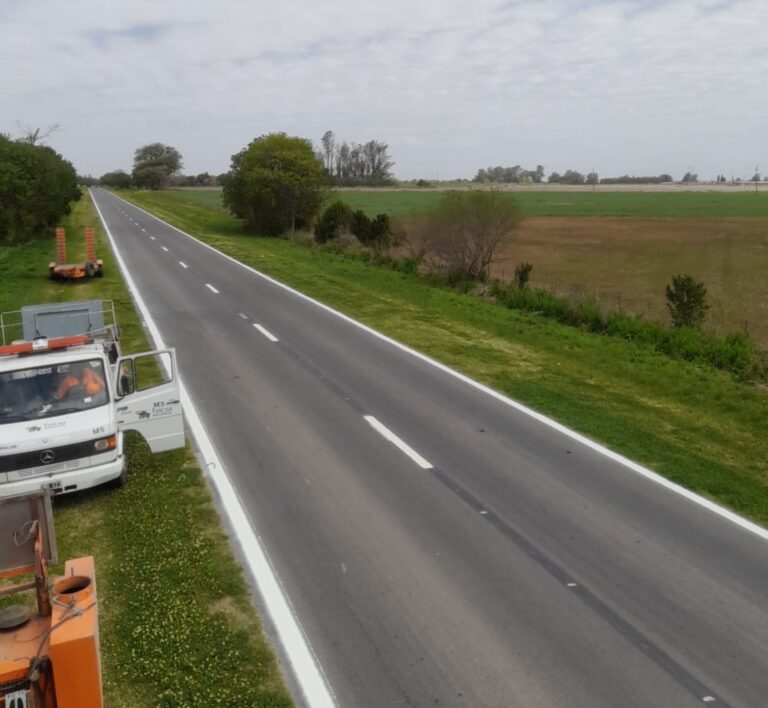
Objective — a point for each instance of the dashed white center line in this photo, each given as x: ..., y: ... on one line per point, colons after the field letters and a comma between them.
x: 387, y: 434
x: 183, y: 264
x: 144, y: 230
x: 271, y: 337
x: 164, y: 248
x: 211, y: 288
x: 152, y: 237
x: 242, y: 315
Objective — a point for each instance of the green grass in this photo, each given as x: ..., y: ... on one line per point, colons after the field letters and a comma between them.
x: 541, y: 203
x: 696, y: 425
x: 177, y: 627
x: 629, y: 204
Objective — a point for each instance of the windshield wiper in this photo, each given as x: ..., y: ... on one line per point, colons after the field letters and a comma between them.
x: 13, y: 418
x: 63, y: 411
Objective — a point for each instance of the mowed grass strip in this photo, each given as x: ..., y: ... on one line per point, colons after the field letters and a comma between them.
x: 696, y: 425
x: 177, y: 627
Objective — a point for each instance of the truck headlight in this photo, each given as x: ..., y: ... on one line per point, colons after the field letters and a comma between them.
x: 104, y: 444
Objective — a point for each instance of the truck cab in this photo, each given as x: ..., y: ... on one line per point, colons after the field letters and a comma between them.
x: 67, y: 395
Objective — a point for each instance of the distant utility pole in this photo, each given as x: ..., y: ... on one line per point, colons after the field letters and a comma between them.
x: 757, y: 176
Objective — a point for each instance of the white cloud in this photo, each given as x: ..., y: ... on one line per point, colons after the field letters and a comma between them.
x: 624, y: 86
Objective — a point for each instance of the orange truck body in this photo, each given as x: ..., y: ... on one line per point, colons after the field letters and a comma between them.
x: 66, y: 642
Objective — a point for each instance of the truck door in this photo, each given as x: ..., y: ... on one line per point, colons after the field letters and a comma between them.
x: 148, y: 400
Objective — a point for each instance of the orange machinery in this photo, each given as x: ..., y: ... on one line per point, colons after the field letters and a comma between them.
x: 49, y: 659
x: 92, y: 267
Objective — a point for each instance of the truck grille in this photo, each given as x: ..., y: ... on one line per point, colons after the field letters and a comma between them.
x: 64, y: 453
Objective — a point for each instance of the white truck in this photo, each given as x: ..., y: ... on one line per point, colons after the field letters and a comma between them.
x: 67, y: 395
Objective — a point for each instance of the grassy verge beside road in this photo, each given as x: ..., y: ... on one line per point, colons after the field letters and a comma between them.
x: 177, y: 626
x: 696, y: 425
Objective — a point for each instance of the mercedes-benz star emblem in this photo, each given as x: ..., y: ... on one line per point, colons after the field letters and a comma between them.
x: 47, y: 456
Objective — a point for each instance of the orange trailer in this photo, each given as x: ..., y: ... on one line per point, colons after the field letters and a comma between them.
x: 60, y: 269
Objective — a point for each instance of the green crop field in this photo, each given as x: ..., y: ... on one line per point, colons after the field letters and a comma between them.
x: 692, y: 423
x: 680, y: 204
x: 625, y: 204
x: 156, y: 542
x: 210, y: 198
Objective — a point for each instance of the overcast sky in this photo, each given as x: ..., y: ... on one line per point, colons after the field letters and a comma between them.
x: 624, y: 86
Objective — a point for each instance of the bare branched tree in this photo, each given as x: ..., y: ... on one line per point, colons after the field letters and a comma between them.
x: 36, y: 136
x: 329, y: 146
x: 356, y: 163
x: 463, y: 236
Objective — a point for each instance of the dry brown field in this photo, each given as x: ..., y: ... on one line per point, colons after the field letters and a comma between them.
x: 627, y: 262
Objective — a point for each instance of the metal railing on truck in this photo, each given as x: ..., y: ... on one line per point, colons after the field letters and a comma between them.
x: 92, y: 318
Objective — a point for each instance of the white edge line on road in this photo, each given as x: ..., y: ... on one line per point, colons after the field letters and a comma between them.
x: 271, y: 337
x: 211, y: 288
x: 302, y: 658
x: 183, y: 265
x: 559, y: 427
x: 387, y: 434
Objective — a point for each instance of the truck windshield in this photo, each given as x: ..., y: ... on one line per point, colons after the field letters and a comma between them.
x: 46, y: 391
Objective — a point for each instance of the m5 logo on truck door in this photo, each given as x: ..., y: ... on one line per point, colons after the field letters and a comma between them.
x: 161, y: 408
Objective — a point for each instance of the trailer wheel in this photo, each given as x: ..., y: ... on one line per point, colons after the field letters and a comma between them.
x: 90, y: 270
x: 99, y: 272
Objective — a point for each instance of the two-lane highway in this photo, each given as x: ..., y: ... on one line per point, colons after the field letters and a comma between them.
x: 438, y: 545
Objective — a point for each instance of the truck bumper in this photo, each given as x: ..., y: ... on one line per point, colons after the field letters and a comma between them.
x: 65, y: 482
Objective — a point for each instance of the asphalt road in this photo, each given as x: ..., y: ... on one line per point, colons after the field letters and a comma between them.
x: 485, y: 559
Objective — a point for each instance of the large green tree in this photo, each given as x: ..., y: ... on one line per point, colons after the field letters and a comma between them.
x: 119, y: 179
x: 276, y: 183
x: 154, y: 164
x: 37, y: 186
